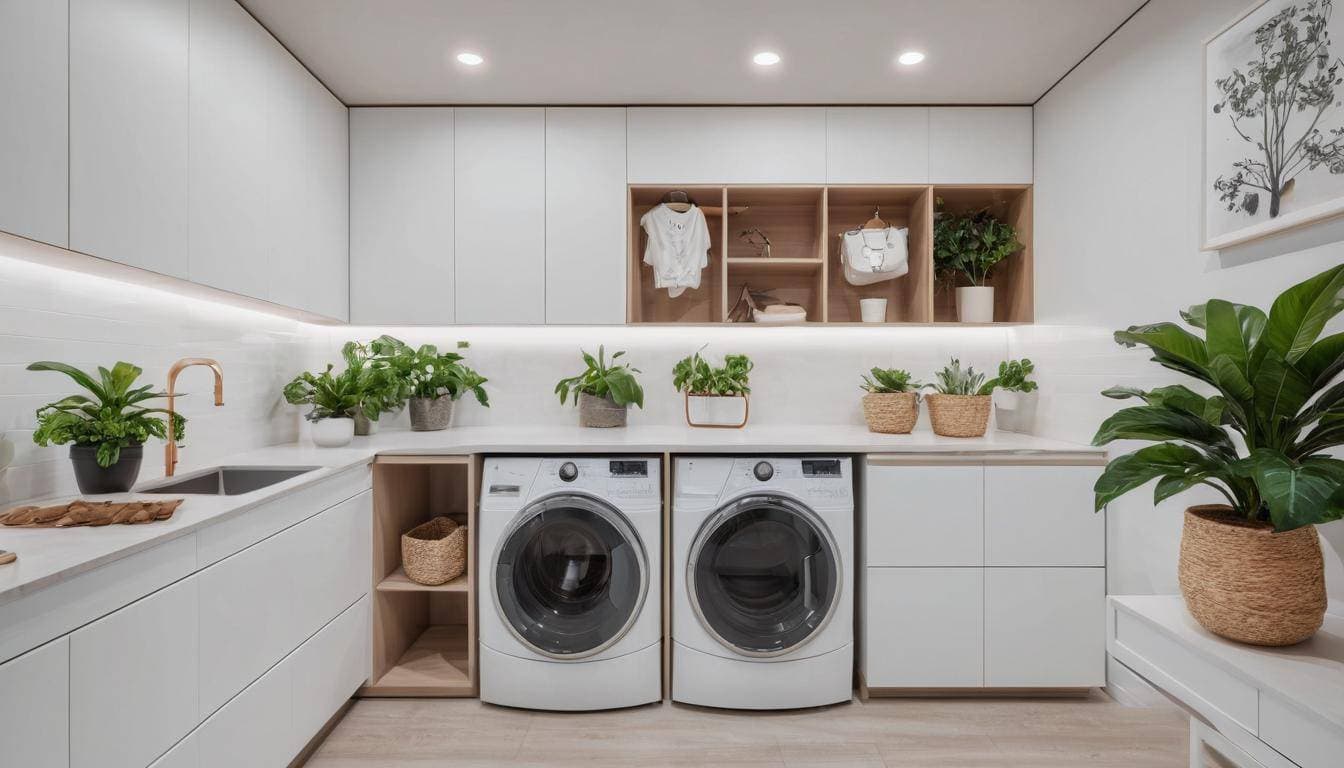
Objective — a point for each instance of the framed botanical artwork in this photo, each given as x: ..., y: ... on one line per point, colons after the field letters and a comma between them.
x: 1273, y: 121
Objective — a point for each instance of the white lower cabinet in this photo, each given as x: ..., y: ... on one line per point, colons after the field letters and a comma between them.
x: 1045, y: 627
x: 185, y: 754
x: 924, y: 628
x: 133, y: 690
x: 35, y: 707
x: 328, y: 669
x: 255, y: 727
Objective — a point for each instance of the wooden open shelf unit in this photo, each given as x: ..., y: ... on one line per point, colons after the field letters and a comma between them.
x: 424, y: 638
x: 804, y: 224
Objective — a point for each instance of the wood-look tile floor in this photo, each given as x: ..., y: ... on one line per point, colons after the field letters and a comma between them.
x: 881, y: 733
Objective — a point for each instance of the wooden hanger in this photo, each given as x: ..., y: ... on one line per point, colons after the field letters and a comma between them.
x: 876, y: 222
x: 678, y: 201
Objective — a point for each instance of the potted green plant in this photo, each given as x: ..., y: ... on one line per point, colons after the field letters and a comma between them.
x: 1015, y: 396
x: 959, y: 405
x: 1251, y: 569
x: 891, y: 404
x: 602, y: 392
x: 966, y: 248
x: 378, y: 390
x: 432, y: 380
x: 716, y: 396
x: 106, y: 428
x: 334, y: 400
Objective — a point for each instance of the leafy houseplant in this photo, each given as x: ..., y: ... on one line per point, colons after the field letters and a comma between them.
x: 966, y: 248
x: 1015, y: 396
x: 891, y: 404
x: 602, y: 392
x: 107, y: 428
x: 335, y: 399
x: 716, y: 396
x: 377, y: 388
x: 432, y: 380
x: 959, y: 405
x: 1251, y: 569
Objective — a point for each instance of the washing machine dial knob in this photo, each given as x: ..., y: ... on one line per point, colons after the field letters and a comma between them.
x: 568, y: 471
x: 763, y: 471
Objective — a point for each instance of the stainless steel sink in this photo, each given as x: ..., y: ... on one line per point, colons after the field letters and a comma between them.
x: 226, y: 481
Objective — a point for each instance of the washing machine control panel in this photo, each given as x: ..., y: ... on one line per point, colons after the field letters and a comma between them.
x: 815, y: 479
x: 763, y: 471
x: 615, y: 479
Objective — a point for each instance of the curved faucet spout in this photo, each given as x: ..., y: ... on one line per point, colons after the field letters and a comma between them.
x: 170, y: 447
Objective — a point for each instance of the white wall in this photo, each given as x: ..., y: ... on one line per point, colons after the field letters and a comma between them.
x: 1117, y: 227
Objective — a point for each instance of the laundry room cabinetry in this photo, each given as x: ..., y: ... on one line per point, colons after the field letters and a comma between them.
x: 981, y: 573
x: 35, y: 707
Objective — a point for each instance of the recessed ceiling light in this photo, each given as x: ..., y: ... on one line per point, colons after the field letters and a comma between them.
x: 470, y: 59
x: 766, y: 58
x: 910, y: 58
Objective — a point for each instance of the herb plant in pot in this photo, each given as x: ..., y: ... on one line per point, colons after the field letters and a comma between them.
x: 1251, y: 568
x: 891, y: 404
x: 716, y: 396
x: 1015, y: 396
x: 433, y: 380
x: 966, y: 248
x: 106, y: 428
x: 379, y: 391
x: 959, y: 405
x: 334, y: 400
x: 603, y: 392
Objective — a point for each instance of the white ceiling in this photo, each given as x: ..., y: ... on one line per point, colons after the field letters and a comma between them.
x: 690, y: 52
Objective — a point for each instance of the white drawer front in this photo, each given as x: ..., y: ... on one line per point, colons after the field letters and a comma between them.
x: 254, y: 728
x: 328, y: 669
x: 1037, y: 516
x: 35, y: 707
x: 924, y: 516
x: 185, y: 754
x: 333, y: 553
x: 1303, y: 739
x: 924, y: 628
x: 1045, y: 627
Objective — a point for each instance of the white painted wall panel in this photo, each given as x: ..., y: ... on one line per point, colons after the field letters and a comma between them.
x: 877, y: 145
x: 980, y: 145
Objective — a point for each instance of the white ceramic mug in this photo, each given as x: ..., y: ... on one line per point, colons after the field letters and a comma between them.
x: 873, y: 310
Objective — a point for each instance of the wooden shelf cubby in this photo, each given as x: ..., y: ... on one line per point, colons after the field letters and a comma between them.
x: 1013, y: 278
x: 424, y: 638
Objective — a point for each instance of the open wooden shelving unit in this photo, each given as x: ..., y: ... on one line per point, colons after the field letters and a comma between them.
x: 804, y: 224
x: 424, y: 638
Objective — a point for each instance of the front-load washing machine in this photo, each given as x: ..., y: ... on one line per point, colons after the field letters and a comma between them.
x: 762, y: 582
x: 569, y: 581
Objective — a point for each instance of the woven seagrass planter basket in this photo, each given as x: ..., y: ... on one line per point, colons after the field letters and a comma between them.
x: 434, y: 552
x: 1244, y: 582
x: 893, y: 413
x: 959, y: 415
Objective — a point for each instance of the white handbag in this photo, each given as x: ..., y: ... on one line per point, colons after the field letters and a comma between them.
x: 873, y: 255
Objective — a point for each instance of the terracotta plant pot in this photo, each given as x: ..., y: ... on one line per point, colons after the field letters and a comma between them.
x: 959, y: 415
x: 892, y: 413
x: 601, y: 411
x: 1243, y: 581
x: 430, y: 414
x: 333, y: 432
x: 117, y: 478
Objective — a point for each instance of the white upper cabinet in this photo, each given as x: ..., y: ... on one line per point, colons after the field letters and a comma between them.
x: 727, y: 145
x: 35, y: 707
x: 327, y: 213
x: 585, y: 216
x: 877, y: 145
x: 128, y: 132
x: 231, y: 57
x: 980, y: 145
x: 499, y: 158
x: 401, y: 216
x: 34, y: 118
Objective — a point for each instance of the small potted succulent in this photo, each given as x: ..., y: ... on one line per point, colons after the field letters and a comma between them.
x: 106, y: 428
x: 1015, y: 396
x: 959, y: 405
x: 334, y: 400
x: 716, y: 396
x: 966, y: 249
x: 432, y: 380
x: 602, y: 392
x: 891, y: 404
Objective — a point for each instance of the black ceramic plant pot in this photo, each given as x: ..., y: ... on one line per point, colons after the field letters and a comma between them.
x: 117, y: 478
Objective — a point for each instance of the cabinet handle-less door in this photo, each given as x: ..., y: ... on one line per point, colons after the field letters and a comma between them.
x: 924, y: 628
x: 1045, y: 627
x: 924, y: 516
x: 1039, y: 516
x: 35, y: 707
x: 255, y: 727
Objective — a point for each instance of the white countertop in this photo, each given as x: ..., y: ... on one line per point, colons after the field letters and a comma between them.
x: 46, y: 556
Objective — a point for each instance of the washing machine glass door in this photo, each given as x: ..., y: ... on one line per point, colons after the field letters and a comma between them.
x: 763, y: 575
x: 570, y: 576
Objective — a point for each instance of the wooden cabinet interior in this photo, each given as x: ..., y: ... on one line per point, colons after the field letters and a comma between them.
x: 424, y: 638
x: 804, y: 224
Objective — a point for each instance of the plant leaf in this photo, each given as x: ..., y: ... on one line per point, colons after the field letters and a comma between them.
x: 1233, y: 330
x: 1151, y: 422
x: 81, y: 378
x: 1298, y: 494
x: 1132, y: 470
x: 1300, y: 313
x: 1323, y: 361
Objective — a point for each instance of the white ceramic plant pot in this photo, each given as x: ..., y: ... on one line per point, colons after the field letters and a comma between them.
x: 716, y: 411
x: 333, y: 432
x: 873, y: 310
x: 1015, y: 411
x: 975, y: 304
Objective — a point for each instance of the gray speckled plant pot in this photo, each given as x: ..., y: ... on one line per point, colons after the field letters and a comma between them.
x: 430, y: 414
x: 601, y: 411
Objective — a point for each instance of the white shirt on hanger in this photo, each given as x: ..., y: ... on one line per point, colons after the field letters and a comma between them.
x: 678, y: 247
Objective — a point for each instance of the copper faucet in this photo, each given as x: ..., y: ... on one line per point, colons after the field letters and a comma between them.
x: 170, y: 447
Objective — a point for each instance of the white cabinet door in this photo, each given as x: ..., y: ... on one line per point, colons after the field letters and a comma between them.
x: 928, y: 516
x: 185, y: 754
x: 924, y: 628
x: 1045, y: 627
x: 328, y: 669
x: 337, y: 550
x: 728, y: 145
x: 401, y: 216
x: 133, y: 691
x: 980, y: 145
x: 877, y: 145
x: 255, y: 728
x: 499, y: 159
x: 585, y: 216
x: 326, y: 209
x: 229, y: 87
x: 128, y: 132
x: 1043, y: 516
x: 34, y: 138
x: 35, y: 707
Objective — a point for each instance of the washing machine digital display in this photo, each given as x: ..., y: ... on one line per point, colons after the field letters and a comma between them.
x: 628, y: 468
x: 821, y: 468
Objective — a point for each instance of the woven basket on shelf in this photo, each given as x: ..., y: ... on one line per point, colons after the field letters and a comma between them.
x: 893, y: 413
x: 959, y: 415
x: 1247, y: 583
x: 434, y: 552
